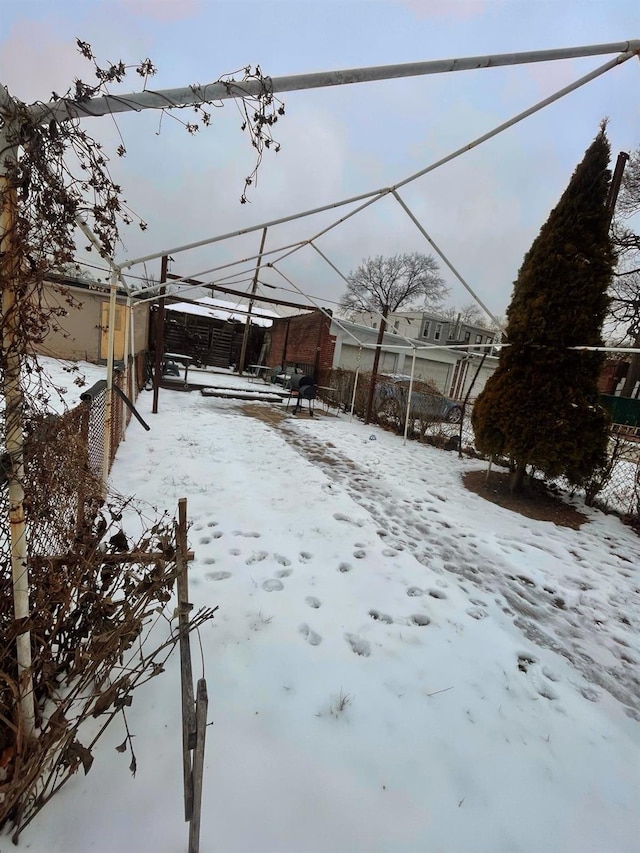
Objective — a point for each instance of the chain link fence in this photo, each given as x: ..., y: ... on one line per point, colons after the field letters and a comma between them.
x: 445, y: 423
x: 91, y: 591
x: 63, y: 465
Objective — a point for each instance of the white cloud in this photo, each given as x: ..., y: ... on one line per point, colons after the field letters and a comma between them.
x: 163, y: 10
x: 461, y: 10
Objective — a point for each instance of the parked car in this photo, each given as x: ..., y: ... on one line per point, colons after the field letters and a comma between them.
x: 427, y: 403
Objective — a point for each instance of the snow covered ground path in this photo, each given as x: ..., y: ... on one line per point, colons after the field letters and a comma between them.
x: 572, y: 592
x: 396, y: 665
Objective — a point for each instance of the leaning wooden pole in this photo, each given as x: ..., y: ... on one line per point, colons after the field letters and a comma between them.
x: 376, y: 362
x: 202, y: 704
x: 247, y: 322
x: 186, y: 674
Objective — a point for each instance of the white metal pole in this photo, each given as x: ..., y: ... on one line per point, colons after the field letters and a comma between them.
x: 184, y: 279
x: 406, y: 419
x: 355, y: 383
x: 444, y: 258
x: 14, y: 438
x: 62, y: 109
x: 132, y: 348
x: 393, y: 332
x: 631, y: 48
x: 125, y: 358
x: 108, y: 409
x: 127, y: 264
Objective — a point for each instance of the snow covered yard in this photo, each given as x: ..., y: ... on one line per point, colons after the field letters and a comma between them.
x: 396, y: 665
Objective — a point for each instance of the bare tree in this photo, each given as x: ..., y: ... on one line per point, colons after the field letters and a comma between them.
x: 624, y: 310
x: 471, y: 314
x: 387, y: 284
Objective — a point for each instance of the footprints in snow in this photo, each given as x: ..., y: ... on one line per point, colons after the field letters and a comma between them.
x: 527, y: 663
x: 310, y: 636
x: 381, y: 617
x: 358, y: 645
x: 217, y: 576
x: 415, y: 591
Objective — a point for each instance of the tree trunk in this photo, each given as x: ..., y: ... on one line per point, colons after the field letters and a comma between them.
x: 376, y: 362
x: 517, y: 479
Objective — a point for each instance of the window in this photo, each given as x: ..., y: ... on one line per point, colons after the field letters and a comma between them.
x: 438, y: 332
x: 467, y: 337
x: 396, y: 324
x: 427, y: 329
x: 478, y: 339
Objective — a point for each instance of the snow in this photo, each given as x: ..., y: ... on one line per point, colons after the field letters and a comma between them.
x: 220, y: 309
x: 396, y: 664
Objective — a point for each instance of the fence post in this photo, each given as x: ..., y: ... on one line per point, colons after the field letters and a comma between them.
x: 186, y: 675
x: 84, y: 435
x: 202, y: 704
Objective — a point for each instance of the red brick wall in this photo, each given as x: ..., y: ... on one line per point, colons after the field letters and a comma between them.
x: 304, y: 340
x: 611, y: 374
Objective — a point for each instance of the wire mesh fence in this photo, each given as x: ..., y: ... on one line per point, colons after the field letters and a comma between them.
x: 63, y: 489
x: 91, y: 591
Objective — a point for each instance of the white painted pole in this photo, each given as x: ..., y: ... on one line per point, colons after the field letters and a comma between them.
x: 632, y: 50
x: 108, y: 409
x: 132, y: 348
x: 63, y: 110
x: 392, y: 332
x: 406, y: 419
x: 185, y: 278
x: 443, y: 257
x: 355, y: 384
x: 14, y: 439
x: 125, y: 358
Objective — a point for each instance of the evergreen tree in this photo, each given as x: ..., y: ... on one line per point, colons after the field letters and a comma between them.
x: 541, y: 407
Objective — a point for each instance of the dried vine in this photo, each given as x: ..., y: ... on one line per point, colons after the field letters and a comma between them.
x: 93, y: 593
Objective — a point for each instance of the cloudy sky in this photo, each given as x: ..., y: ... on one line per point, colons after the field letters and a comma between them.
x: 483, y: 209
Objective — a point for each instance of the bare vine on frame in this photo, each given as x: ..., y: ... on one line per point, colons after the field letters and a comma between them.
x: 55, y: 178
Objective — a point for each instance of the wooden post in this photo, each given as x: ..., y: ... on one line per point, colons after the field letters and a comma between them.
x: 186, y: 675
x: 376, y: 362
x: 247, y: 325
x: 202, y: 704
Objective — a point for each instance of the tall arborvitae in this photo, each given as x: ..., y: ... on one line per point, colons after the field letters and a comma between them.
x: 541, y: 407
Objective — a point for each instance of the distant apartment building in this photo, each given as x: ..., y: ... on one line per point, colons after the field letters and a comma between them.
x: 433, y: 329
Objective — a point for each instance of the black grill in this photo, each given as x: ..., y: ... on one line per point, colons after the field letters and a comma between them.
x: 302, y: 387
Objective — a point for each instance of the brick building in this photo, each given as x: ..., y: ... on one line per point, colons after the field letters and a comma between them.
x: 316, y: 344
x: 304, y: 342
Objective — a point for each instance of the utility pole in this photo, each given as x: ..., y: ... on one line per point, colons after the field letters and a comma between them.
x: 616, y: 182
x: 247, y: 326
x: 376, y: 362
x: 633, y: 372
x: 159, y: 336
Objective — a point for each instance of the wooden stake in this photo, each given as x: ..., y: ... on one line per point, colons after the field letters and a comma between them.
x: 186, y: 675
x: 202, y: 704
